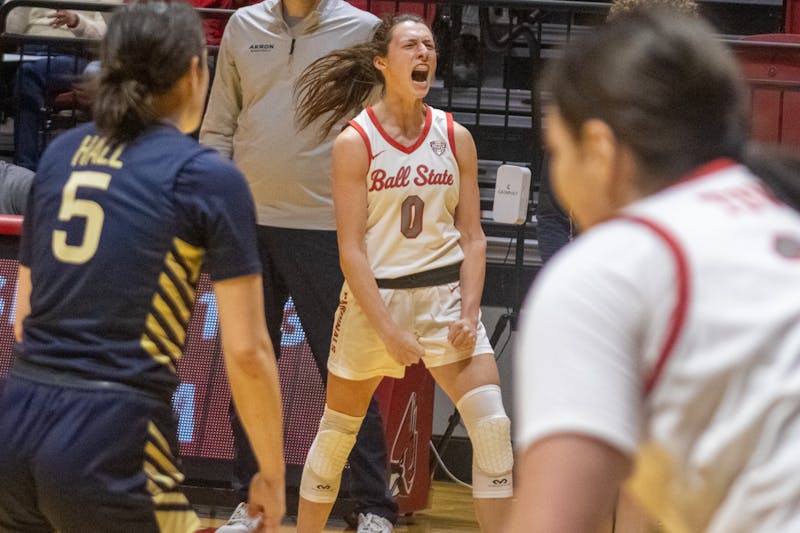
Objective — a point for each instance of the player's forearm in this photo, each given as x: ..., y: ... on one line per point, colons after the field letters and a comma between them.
x: 256, y: 394
x: 361, y: 281
x: 252, y: 371
x: 473, y: 272
x: 22, y: 307
x: 567, y: 483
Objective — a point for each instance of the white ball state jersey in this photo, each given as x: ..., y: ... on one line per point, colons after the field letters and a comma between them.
x: 673, y: 333
x: 412, y: 194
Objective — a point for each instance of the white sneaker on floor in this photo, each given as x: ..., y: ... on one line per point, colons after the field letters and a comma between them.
x: 372, y: 523
x: 240, y: 522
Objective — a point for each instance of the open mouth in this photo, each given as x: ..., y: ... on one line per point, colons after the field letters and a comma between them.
x: 420, y: 74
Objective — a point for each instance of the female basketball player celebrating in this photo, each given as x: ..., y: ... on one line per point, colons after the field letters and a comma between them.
x: 412, y: 250
x: 669, y: 332
x: 122, y: 215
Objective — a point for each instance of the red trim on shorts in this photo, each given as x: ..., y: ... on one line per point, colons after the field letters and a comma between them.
x: 356, y: 126
x: 451, y: 134
x: 337, y: 324
x: 678, y: 317
x: 397, y: 145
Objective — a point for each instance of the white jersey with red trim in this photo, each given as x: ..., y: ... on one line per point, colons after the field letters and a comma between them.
x: 412, y: 194
x: 672, y: 333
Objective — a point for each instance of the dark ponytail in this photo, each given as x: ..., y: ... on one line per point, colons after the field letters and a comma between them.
x: 337, y: 85
x: 147, y: 48
x: 123, y: 110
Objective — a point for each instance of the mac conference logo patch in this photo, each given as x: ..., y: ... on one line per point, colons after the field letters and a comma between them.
x: 438, y: 147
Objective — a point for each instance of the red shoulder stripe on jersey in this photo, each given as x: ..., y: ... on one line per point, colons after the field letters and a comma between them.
x: 356, y: 126
x: 678, y: 317
x: 397, y: 145
x: 451, y: 134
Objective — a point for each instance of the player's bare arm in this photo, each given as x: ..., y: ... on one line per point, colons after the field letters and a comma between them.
x: 473, y: 241
x: 581, y: 470
x: 253, y: 373
x: 23, y: 305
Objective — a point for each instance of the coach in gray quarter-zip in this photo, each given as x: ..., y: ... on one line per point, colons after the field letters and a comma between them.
x: 250, y: 115
x: 251, y: 119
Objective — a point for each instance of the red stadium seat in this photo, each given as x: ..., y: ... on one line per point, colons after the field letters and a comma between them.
x: 771, y: 65
x: 424, y: 9
x: 791, y: 16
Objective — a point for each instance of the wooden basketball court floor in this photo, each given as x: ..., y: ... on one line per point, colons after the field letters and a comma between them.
x: 450, y: 512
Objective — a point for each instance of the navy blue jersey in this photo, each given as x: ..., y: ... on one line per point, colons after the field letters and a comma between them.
x: 115, y: 238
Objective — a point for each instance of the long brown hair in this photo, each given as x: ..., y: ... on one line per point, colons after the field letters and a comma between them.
x: 147, y: 48
x: 337, y: 85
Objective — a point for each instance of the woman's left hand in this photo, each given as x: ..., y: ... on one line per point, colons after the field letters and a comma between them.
x: 462, y: 334
x: 64, y: 17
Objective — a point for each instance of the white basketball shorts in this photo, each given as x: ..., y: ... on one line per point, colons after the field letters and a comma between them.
x: 358, y: 353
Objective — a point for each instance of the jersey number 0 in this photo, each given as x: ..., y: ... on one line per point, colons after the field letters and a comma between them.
x: 76, y: 207
x: 411, y: 216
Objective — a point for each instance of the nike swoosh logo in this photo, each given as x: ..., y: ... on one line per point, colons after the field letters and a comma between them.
x: 376, y: 155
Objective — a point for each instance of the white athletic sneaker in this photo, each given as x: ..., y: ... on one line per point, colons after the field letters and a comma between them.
x: 240, y: 522
x: 372, y: 523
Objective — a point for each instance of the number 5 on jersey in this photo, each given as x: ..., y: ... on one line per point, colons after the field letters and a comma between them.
x: 77, y: 207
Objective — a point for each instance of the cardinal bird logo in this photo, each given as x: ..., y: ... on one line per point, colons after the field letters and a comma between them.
x: 403, y: 458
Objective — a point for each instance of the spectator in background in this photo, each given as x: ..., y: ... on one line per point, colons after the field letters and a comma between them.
x: 215, y: 26
x: 52, y: 74
x: 46, y: 22
x: 468, y: 51
x: 553, y: 225
x: 618, y: 7
x: 251, y: 118
x: 457, y: 31
x: 15, y: 184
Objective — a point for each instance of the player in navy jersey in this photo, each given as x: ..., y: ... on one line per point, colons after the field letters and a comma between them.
x: 122, y: 215
x: 413, y: 253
